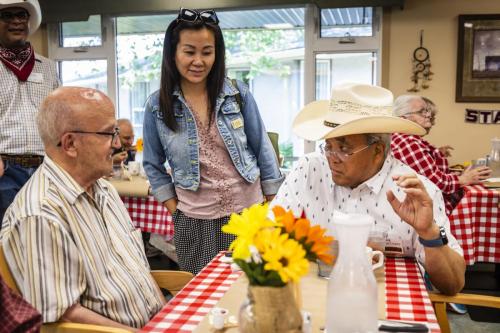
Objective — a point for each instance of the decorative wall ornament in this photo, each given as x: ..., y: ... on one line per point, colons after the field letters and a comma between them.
x: 482, y: 116
x: 421, y: 67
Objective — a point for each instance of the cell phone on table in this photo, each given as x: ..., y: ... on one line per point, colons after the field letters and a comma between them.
x: 401, y: 326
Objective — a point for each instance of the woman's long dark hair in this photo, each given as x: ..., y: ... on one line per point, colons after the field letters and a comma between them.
x: 170, y: 76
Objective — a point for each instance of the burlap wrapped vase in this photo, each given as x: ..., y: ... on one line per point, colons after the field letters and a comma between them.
x: 270, y: 310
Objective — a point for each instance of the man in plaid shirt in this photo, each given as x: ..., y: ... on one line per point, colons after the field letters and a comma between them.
x: 426, y: 159
x: 26, y: 78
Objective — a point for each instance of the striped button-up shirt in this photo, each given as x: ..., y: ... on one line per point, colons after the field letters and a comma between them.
x: 64, y: 246
x: 19, y: 103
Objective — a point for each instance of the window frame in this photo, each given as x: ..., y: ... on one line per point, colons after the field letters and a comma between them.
x: 313, y: 44
x: 106, y: 51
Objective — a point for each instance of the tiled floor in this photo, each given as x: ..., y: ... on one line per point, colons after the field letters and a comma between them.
x: 463, y: 324
x: 481, y: 279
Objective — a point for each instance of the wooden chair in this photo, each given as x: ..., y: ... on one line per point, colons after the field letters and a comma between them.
x: 439, y: 302
x: 173, y: 281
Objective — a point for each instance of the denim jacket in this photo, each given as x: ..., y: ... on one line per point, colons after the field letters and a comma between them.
x: 242, y: 131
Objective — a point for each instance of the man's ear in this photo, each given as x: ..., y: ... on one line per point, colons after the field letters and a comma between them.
x: 68, y: 144
x: 380, y: 149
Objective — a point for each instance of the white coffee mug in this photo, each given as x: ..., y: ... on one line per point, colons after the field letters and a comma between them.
x: 134, y: 168
x: 378, y: 255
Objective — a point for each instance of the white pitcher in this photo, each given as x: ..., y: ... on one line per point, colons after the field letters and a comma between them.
x: 352, y: 288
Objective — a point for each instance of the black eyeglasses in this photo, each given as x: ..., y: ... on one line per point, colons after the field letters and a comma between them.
x: 22, y: 15
x: 192, y: 15
x: 113, y: 135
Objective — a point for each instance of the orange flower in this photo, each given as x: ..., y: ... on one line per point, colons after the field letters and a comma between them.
x: 312, y: 238
x: 301, y: 228
x: 139, y: 145
x: 285, y: 218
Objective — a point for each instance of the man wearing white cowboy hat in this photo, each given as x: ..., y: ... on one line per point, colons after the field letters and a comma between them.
x: 25, y: 79
x: 356, y: 173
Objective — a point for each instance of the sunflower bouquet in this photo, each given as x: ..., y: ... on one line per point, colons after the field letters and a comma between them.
x: 274, y: 252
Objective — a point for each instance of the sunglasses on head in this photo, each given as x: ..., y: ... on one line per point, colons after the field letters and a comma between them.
x: 191, y: 15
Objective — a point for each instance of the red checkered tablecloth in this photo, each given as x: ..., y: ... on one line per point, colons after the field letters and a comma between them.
x: 406, y: 296
x: 475, y: 223
x: 186, y: 310
x: 150, y: 216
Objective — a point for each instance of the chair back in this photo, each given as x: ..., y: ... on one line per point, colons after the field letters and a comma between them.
x: 80, y: 328
x: 6, y: 274
x: 173, y: 281
x: 274, y: 137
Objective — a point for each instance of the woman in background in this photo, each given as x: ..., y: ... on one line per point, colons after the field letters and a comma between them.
x: 220, y: 156
x: 426, y: 159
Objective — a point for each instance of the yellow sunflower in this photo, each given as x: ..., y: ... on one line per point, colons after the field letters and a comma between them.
x: 245, y: 226
x: 283, y: 255
x: 139, y: 145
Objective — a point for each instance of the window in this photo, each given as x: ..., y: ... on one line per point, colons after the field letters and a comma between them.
x: 346, y: 22
x: 82, y: 34
x: 285, y: 62
x: 336, y: 68
x: 84, y: 73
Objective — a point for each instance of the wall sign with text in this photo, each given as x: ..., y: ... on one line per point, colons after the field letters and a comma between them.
x: 482, y: 116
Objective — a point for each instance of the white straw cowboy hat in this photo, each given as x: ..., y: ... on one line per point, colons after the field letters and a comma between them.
x: 352, y: 109
x: 31, y: 6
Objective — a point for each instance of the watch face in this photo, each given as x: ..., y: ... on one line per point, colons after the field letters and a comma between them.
x: 421, y: 54
x: 442, y: 233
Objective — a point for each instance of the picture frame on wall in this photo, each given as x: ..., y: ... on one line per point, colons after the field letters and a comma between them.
x: 478, y: 59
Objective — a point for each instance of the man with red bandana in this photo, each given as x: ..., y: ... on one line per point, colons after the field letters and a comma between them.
x: 26, y: 78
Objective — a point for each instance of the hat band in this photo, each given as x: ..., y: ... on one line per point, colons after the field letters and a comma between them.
x: 329, y: 124
x: 359, y: 109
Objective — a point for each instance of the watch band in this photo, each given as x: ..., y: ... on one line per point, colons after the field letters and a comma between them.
x: 437, y: 242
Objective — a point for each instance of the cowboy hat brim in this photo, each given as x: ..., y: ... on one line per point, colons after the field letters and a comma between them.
x: 310, y: 123
x: 31, y: 6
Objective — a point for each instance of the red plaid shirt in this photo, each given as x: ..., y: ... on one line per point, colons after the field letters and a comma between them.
x: 17, y: 315
x: 427, y: 160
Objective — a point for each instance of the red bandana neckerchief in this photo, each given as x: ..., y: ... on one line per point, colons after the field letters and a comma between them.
x: 19, y: 60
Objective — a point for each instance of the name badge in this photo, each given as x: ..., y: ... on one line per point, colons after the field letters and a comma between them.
x: 35, y: 77
x: 237, y: 123
x: 394, y: 248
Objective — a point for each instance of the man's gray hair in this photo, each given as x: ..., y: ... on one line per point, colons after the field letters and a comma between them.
x: 54, y: 118
x: 385, y: 138
x: 402, y: 104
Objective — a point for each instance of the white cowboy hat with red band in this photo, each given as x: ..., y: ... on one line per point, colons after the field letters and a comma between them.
x: 31, y: 6
x: 352, y: 109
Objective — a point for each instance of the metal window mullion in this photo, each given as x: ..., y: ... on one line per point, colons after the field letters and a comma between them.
x: 109, y: 46
x: 311, y: 30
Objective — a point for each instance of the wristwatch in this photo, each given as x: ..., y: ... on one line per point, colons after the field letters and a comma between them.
x: 437, y: 242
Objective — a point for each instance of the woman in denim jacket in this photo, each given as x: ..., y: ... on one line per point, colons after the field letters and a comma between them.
x: 220, y: 156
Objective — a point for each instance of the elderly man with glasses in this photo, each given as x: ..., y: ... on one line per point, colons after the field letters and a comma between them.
x: 356, y: 173
x: 67, y: 237
x: 426, y: 159
x: 26, y: 78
